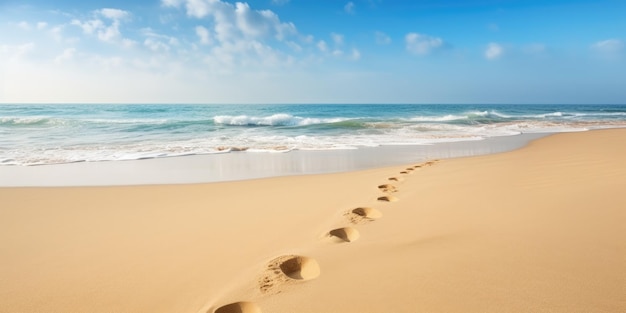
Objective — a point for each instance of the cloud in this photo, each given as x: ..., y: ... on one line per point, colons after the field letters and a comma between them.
x: 105, y: 25
x: 535, y: 48
x: 232, y: 22
x: 156, y: 45
x: 322, y: 46
x: 15, y: 52
x: 23, y: 25
x: 349, y: 7
x: 337, y: 38
x: 253, y: 23
x: 422, y: 44
x: 67, y: 54
x: 609, y: 46
x: 356, y: 55
x: 41, y: 25
x: 280, y: 2
x: 493, y: 51
x: 114, y: 14
x: 204, y: 35
x: 239, y: 34
x: 382, y: 38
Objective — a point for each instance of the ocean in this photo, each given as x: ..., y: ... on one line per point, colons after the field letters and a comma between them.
x: 62, y: 133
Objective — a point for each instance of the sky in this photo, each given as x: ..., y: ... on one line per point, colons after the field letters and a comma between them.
x: 313, y: 51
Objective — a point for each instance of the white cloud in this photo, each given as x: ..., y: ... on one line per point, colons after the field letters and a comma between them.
x: 322, y: 46
x: 114, y: 14
x: 255, y: 24
x: 382, y: 38
x: 609, y: 46
x: 294, y: 46
x: 89, y: 27
x: 240, y: 34
x: 493, y: 51
x: 356, y: 54
x: 66, y: 55
x: 232, y: 22
x: 204, y: 35
x: 15, y: 52
x: 23, y: 25
x: 156, y: 45
x: 349, y: 7
x: 172, y: 3
x: 422, y: 44
x: 107, y: 32
x: 337, y: 38
x: 56, y: 33
x: 534, y: 48
x: 42, y: 25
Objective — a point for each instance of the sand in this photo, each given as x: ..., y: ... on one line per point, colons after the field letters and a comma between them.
x: 539, y: 229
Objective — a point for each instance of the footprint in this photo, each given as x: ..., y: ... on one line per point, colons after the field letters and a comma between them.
x: 430, y: 163
x: 345, y: 234
x: 404, y: 172
x: 388, y: 188
x: 387, y: 199
x: 398, y: 179
x: 239, y: 307
x: 409, y: 169
x: 362, y: 215
x: 288, y: 269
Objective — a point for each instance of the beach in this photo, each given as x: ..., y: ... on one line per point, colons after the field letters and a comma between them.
x: 537, y: 229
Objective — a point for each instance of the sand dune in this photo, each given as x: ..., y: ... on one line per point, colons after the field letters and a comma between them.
x: 534, y: 230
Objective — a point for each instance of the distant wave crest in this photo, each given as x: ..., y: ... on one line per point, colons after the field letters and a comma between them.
x: 272, y: 120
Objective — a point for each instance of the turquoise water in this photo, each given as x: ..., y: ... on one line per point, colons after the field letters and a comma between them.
x: 50, y: 134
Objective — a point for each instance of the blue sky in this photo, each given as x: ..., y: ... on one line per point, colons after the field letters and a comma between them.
x: 304, y: 51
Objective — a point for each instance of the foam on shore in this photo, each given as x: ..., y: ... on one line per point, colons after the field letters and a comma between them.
x: 244, y: 165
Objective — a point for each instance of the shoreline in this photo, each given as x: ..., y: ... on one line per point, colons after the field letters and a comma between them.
x: 237, y: 166
x: 535, y: 229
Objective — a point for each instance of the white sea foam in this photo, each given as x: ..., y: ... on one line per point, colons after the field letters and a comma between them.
x: 63, y: 134
x: 273, y: 120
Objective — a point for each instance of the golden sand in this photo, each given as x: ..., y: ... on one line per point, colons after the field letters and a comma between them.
x: 540, y: 229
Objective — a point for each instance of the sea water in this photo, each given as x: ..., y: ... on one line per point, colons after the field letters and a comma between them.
x: 66, y: 133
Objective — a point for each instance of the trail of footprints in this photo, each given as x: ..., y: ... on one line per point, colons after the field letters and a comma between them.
x: 292, y: 269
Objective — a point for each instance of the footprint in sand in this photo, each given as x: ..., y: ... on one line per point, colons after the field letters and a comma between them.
x: 387, y: 199
x: 344, y: 234
x: 430, y: 163
x: 362, y: 215
x: 288, y: 269
x: 388, y: 188
x: 404, y: 173
x: 239, y: 307
x: 398, y: 179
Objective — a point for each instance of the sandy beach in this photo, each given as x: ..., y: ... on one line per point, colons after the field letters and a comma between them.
x: 538, y: 229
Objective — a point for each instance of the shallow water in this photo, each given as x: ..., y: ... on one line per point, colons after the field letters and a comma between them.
x: 52, y: 134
